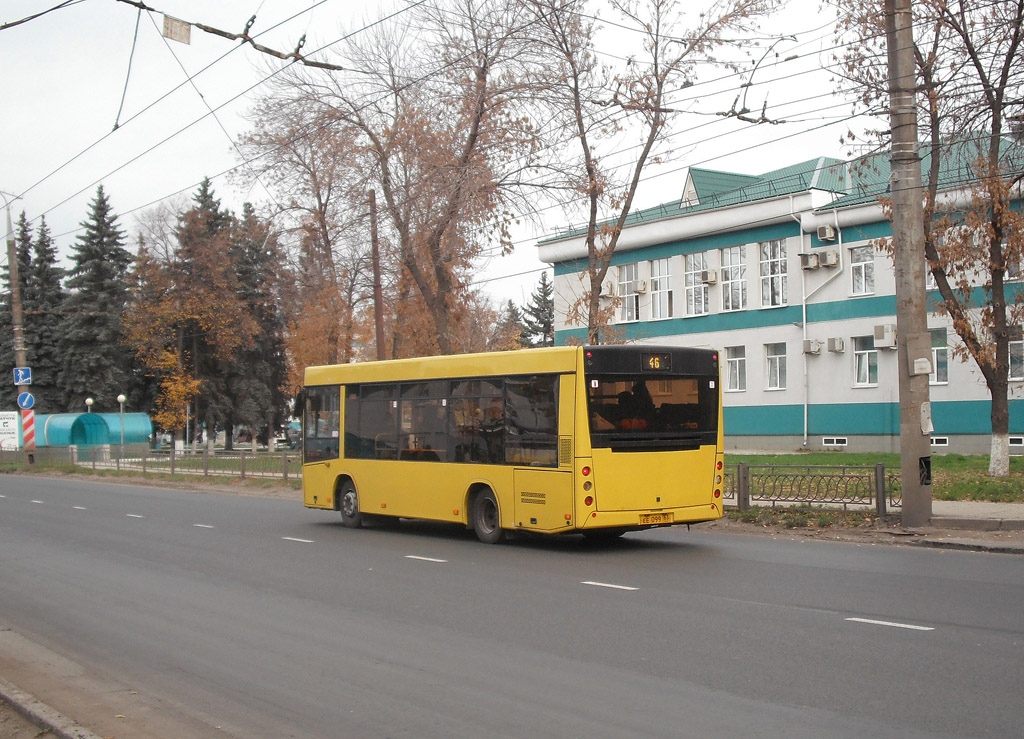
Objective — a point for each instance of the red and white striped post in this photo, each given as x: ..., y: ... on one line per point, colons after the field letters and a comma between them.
x: 28, y: 430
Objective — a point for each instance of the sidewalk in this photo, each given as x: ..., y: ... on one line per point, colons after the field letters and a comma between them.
x: 977, y: 516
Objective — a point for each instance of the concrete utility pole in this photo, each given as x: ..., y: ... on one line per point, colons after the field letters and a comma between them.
x: 378, y: 298
x: 17, y: 323
x: 913, y: 340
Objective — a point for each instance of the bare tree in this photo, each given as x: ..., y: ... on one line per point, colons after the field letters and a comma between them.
x: 598, y: 108
x: 971, y: 110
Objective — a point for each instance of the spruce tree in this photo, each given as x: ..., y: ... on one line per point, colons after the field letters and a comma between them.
x: 94, y: 363
x: 44, y: 301
x: 206, y: 279
x: 539, y: 314
x: 256, y: 373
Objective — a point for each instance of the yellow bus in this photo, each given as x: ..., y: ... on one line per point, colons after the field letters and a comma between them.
x: 597, y: 440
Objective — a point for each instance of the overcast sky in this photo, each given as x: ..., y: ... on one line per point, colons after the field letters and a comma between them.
x: 64, y: 75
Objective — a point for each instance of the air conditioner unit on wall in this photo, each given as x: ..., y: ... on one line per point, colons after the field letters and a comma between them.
x: 608, y: 289
x: 640, y: 286
x: 709, y: 277
x: 826, y: 233
x: 885, y: 336
x: 836, y: 345
x: 812, y: 346
x: 808, y: 261
x: 829, y: 258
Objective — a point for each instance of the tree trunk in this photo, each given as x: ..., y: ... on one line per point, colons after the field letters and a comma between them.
x: 999, y: 456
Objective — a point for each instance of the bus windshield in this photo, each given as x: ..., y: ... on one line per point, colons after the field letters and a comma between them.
x: 641, y: 412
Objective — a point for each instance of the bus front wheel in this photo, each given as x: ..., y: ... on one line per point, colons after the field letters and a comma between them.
x: 348, y: 504
x: 486, y: 518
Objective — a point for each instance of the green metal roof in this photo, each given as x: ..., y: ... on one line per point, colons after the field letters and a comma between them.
x: 716, y: 189
x: 857, y: 182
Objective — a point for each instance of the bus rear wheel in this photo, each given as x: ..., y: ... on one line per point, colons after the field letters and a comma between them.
x: 487, y: 518
x: 348, y: 504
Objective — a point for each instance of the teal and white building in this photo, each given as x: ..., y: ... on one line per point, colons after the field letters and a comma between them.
x: 779, y: 273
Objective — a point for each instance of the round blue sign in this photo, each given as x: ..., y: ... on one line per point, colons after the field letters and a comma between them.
x: 26, y: 401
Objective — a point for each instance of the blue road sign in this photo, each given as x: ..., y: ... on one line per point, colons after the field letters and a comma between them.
x: 26, y: 401
x: 22, y: 375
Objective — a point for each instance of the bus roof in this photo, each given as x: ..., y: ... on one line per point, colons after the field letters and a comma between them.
x: 523, y: 361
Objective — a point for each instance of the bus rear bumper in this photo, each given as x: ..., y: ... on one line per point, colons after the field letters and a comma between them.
x: 645, y: 519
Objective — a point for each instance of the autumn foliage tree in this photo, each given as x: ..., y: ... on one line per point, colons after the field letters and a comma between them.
x: 432, y: 120
x: 970, y: 71
x: 186, y: 314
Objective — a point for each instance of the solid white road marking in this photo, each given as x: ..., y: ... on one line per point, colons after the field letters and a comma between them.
x: 202, y: 526
x: 607, y: 585
x: 301, y: 541
x: 134, y: 515
x: 424, y: 559
x: 891, y: 623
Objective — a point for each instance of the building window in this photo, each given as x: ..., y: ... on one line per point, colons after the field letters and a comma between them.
x: 630, y: 310
x: 774, y: 282
x: 734, y: 278
x: 661, y: 293
x: 865, y: 358
x: 775, y: 355
x: 696, y: 289
x: 862, y: 265
x: 940, y: 358
x: 1016, y: 353
x: 736, y: 368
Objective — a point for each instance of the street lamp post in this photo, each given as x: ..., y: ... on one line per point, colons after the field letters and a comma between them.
x: 120, y: 401
x: 88, y: 405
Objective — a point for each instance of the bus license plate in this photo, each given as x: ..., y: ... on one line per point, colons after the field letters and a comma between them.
x: 655, y: 518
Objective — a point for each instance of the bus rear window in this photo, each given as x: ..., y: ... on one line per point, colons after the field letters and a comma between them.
x: 635, y: 411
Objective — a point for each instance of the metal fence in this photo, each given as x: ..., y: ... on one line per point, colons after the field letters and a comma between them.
x: 283, y: 465
x: 846, y: 487
x: 835, y: 487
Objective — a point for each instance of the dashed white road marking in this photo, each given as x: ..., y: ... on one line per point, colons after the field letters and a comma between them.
x: 425, y: 559
x: 79, y: 508
x: 39, y: 502
x: 301, y: 541
x: 134, y: 515
x: 607, y: 585
x: 893, y: 624
x: 202, y: 526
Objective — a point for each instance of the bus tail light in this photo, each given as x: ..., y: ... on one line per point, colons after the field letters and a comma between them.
x: 587, y: 485
x: 588, y: 501
x: 718, y: 493
x: 585, y: 471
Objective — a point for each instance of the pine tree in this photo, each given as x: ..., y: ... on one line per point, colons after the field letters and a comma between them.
x: 44, y: 301
x: 539, y: 314
x: 94, y: 361
x: 256, y: 372
x: 508, y: 331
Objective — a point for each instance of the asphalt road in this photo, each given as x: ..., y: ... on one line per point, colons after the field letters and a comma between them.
x: 210, y: 614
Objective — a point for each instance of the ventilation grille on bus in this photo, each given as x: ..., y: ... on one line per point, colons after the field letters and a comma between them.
x: 565, y: 451
x: 538, y: 498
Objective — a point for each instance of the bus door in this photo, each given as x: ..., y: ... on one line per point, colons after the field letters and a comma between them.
x: 321, y: 445
x: 536, y: 408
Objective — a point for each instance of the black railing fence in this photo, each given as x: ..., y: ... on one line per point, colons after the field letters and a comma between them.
x: 840, y: 486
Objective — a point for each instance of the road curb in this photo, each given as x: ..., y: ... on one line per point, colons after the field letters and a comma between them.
x: 977, y: 524
x: 41, y: 714
x: 967, y: 545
